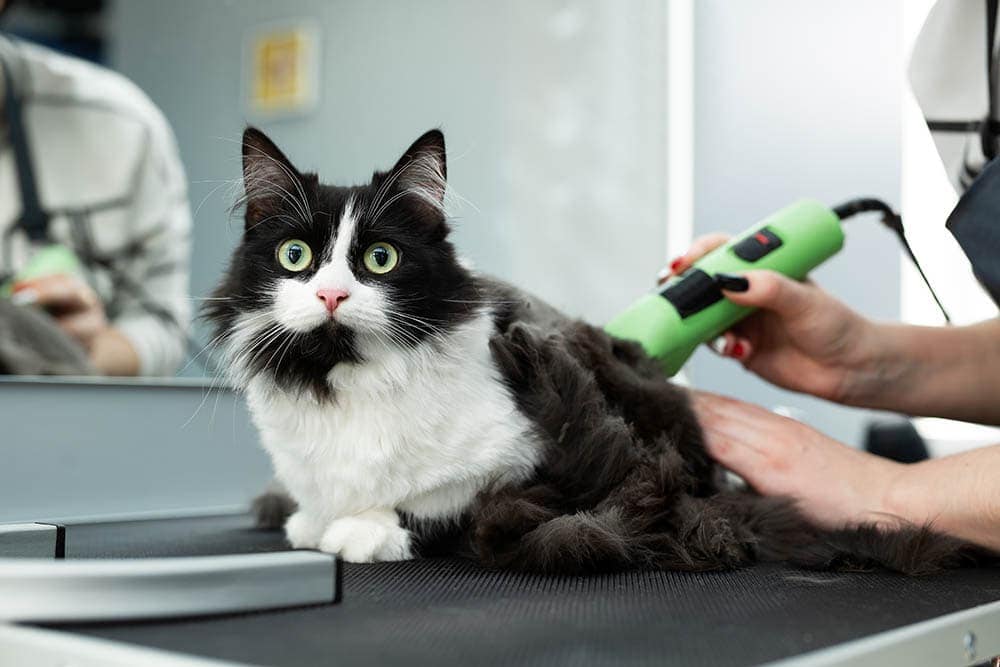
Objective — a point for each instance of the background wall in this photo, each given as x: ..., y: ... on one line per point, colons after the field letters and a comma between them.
x: 554, y: 114
x: 796, y: 99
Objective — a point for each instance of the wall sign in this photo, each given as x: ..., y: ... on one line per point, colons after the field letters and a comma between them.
x: 282, y: 70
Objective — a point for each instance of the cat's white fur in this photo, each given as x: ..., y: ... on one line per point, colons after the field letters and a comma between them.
x: 420, y: 430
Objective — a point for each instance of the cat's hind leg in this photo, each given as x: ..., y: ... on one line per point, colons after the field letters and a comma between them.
x: 648, y: 523
x: 586, y: 541
x: 654, y: 529
x: 522, y: 529
x: 501, y: 519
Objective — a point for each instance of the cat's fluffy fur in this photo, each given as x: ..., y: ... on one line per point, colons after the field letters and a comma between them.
x: 437, y: 409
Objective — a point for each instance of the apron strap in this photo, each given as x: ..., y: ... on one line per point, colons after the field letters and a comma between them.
x: 34, y: 219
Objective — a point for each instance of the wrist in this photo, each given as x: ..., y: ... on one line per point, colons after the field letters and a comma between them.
x: 929, y: 494
x: 929, y: 371
x: 954, y: 495
x: 900, y: 498
x: 874, y: 367
x: 112, y: 353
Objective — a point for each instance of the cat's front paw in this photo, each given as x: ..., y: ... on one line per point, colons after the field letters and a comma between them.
x: 367, y: 538
x: 303, y: 530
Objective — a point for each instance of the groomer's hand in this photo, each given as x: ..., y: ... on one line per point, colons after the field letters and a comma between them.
x: 79, y: 312
x: 834, y: 484
x: 802, y: 338
x: 74, y: 305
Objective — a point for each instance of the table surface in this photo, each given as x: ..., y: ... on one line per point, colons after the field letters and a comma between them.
x: 451, y: 611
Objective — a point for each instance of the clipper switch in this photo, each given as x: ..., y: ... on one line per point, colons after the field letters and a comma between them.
x: 757, y: 245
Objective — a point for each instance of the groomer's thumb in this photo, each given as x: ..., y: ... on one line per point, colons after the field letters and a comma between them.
x: 773, y: 291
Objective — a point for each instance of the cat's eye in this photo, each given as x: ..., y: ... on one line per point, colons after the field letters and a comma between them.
x: 295, y: 255
x: 381, y: 257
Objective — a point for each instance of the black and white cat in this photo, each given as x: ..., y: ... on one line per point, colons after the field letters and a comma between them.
x: 405, y: 399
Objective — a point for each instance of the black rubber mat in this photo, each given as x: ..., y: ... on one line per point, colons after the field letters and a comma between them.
x: 444, y: 611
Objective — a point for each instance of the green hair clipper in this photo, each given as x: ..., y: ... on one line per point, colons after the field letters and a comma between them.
x: 46, y: 261
x: 690, y: 309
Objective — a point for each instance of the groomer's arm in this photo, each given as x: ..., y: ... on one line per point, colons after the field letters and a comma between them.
x: 951, y: 372
x: 958, y: 494
x: 836, y: 485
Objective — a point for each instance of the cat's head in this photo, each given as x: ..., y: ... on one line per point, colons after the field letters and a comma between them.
x: 327, y: 275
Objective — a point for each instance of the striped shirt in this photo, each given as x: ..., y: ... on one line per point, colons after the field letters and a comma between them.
x: 109, y: 174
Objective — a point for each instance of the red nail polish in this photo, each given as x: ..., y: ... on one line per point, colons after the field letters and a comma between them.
x: 674, y: 265
x: 739, y: 350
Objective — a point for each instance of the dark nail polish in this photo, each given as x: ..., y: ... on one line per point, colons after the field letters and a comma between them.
x: 728, y: 281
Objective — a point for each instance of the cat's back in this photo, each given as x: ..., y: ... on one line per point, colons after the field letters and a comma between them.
x: 511, y: 304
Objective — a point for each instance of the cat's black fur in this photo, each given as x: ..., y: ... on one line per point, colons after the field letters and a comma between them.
x: 624, y: 480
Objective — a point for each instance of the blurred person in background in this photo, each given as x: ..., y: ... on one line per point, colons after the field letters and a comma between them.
x: 89, y: 160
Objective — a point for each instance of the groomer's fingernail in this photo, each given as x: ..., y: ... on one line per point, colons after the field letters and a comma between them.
x: 676, y: 263
x: 24, y: 297
x: 728, y: 281
x: 739, y: 350
x: 719, y: 345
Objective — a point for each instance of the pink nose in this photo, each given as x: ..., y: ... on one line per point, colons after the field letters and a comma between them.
x: 331, y: 298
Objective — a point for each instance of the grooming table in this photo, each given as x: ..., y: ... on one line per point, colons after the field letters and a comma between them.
x: 178, y: 450
x: 448, y: 611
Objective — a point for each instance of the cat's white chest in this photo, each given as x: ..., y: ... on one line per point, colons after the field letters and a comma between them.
x: 417, y: 430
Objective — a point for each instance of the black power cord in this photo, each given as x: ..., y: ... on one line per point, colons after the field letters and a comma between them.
x: 893, y: 221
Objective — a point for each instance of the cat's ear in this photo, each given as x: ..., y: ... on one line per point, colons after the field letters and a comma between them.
x: 270, y: 181
x: 423, y: 172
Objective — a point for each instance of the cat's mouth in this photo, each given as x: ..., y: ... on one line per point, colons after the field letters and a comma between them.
x: 333, y: 330
x: 331, y: 326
